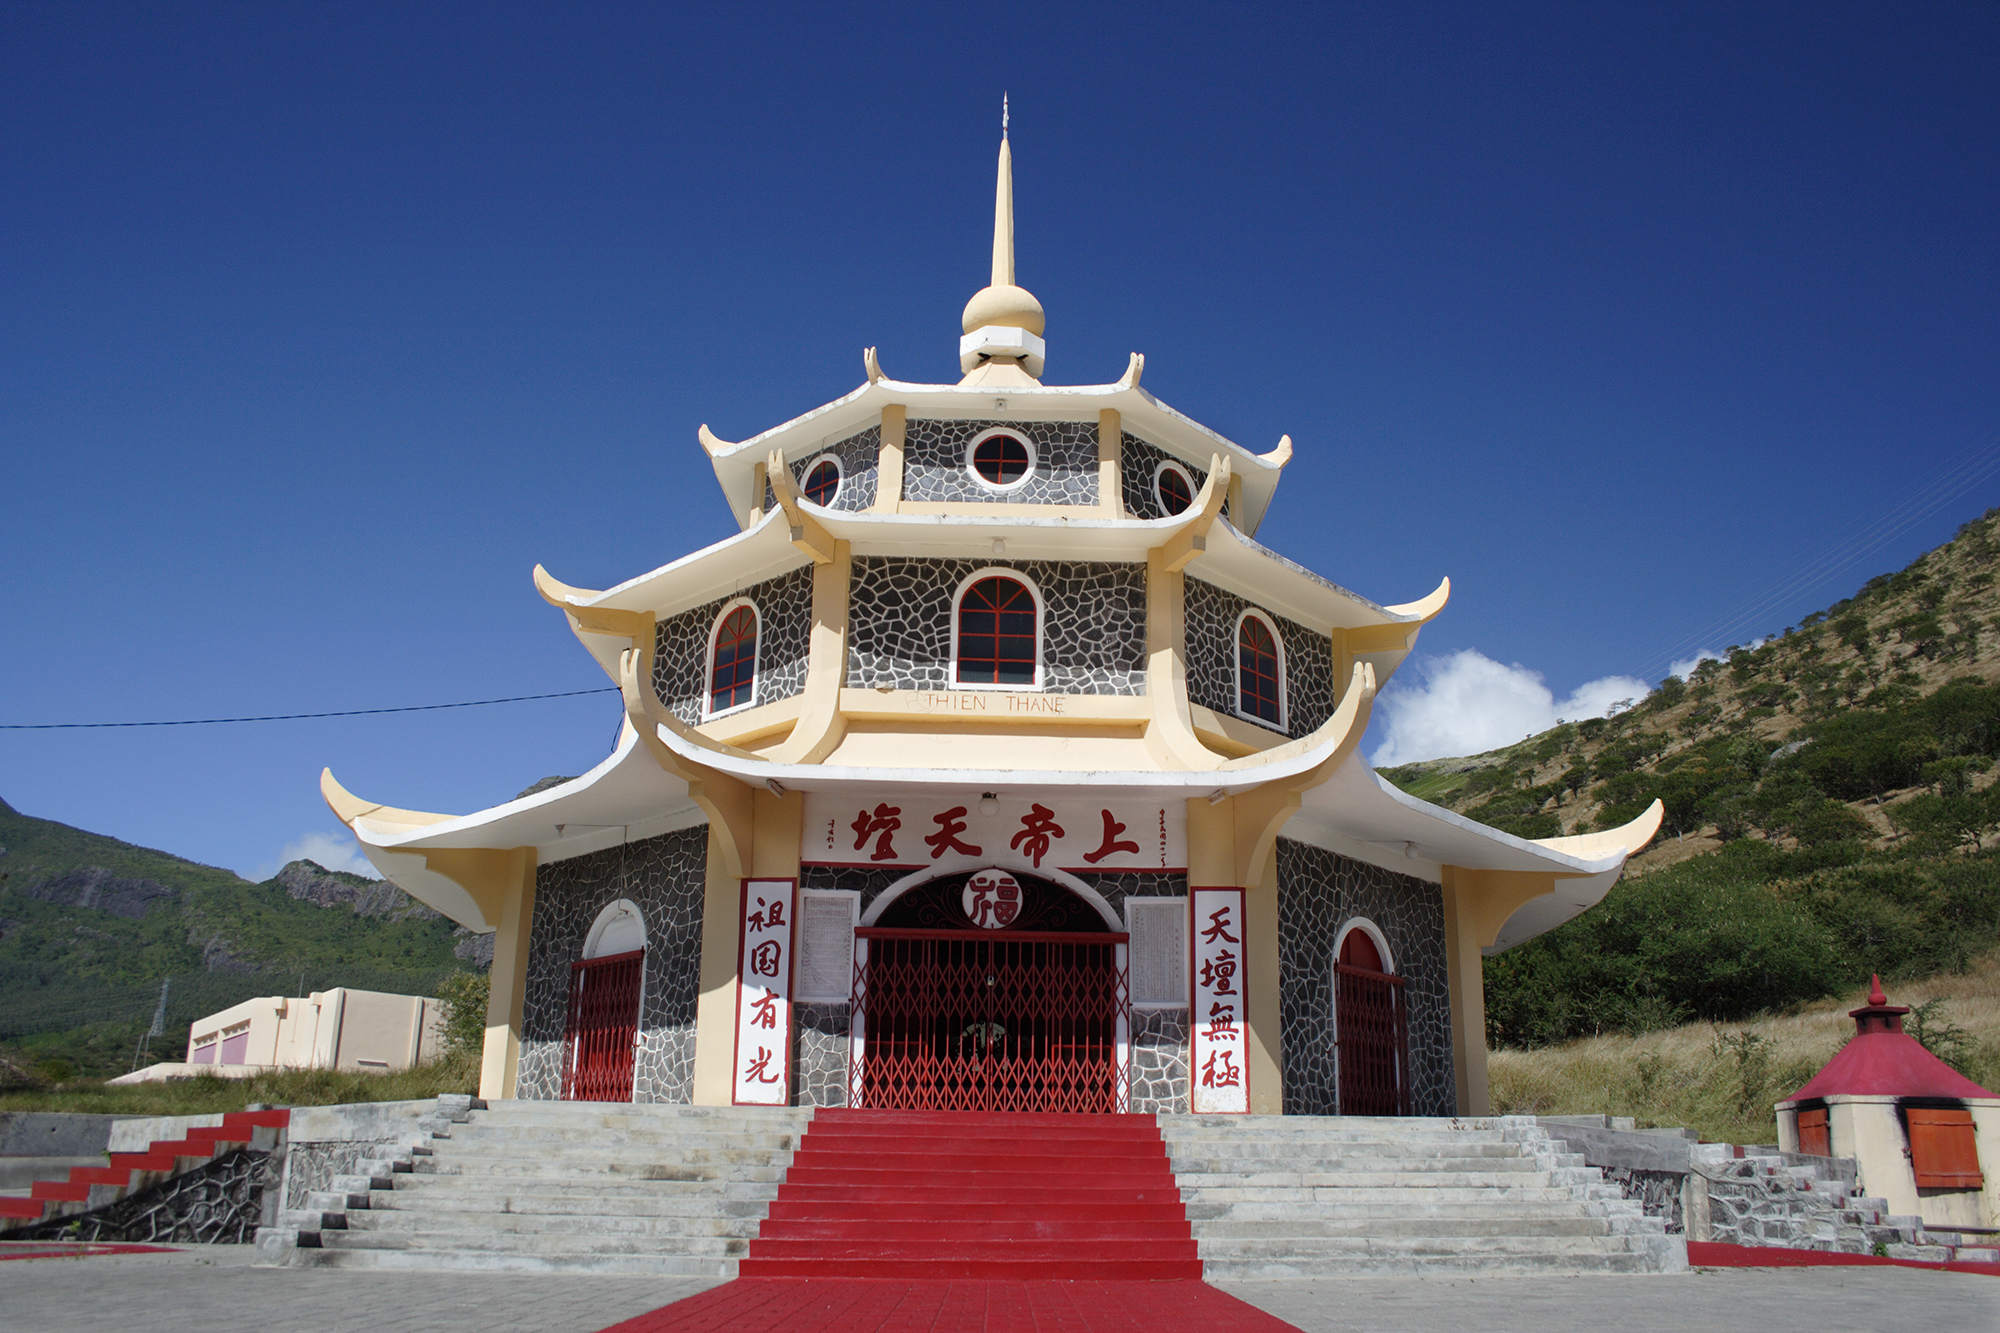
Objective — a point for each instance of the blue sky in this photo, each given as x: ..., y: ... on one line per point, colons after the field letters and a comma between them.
x: 320, y: 325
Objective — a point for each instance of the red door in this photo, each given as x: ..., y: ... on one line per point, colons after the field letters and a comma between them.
x: 981, y: 1020
x: 1372, y: 1029
x: 603, y: 1024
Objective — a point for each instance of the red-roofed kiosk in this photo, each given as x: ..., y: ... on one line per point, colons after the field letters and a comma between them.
x: 1917, y: 1128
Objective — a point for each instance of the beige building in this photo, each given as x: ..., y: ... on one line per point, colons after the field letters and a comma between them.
x: 335, y: 1029
x: 993, y: 765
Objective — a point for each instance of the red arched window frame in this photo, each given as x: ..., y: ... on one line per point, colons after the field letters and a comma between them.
x: 822, y: 482
x: 998, y: 639
x: 732, y: 672
x: 1260, y: 688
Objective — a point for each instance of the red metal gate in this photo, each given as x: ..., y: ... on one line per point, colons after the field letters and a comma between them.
x: 602, y: 1026
x: 1372, y: 1027
x: 949, y: 1020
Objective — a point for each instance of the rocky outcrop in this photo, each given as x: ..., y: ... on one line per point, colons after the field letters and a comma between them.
x: 96, y: 887
x: 474, y: 948
x: 314, y: 883
x: 541, y: 787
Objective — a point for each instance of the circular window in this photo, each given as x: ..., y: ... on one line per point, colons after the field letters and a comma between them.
x: 823, y: 482
x: 1001, y: 460
x: 1173, y: 488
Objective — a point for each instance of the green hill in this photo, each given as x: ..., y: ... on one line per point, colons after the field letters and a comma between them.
x: 1831, y: 812
x: 90, y: 927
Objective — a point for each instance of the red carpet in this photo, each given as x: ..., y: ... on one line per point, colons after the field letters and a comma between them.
x: 863, y: 1305
x: 1714, y: 1254
x: 931, y: 1196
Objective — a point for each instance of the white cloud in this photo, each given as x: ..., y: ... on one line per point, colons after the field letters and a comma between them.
x: 1685, y: 667
x: 1467, y: 703
x: 335, y: 851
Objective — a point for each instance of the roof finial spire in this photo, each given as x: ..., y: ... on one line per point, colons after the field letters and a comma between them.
x: 1003, y: 323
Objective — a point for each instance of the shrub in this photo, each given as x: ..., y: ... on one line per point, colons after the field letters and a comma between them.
x: 464, y: 995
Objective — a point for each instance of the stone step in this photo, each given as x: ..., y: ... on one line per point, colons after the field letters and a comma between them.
x: 474, y: 1242
x: 527, y: 1190
x: 1316, y: 1163
x: 1311, y: 1232
x: 556, y: 1203
x: 1412, y: 1180
x: 718, y: 1141
x: 1260, y: 1209
x: 1228, y: 1269
x: 433, y: 1260
x: 483, y: 1154
x: 527, y: 1166
x: 656, y: 1227
x: 1285, y: 1248
x: 1290, y: 1201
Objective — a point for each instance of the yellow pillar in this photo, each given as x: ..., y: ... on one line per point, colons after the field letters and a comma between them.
x: 1465, y: 979
x: 1110, y: 468
x: 889, y: 467
x: 1212, y: 847
x: 715, y: 1008
x: 514, y: 890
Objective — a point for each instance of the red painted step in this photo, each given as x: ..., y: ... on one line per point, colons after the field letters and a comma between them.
x: 931, y: 1195
x: 164, y: 1155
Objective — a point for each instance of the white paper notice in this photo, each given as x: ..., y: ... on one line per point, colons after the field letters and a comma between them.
x: 1159, y: 951
x: 764, y: 994
x: 1218, y: 1074
x: 825, y: 973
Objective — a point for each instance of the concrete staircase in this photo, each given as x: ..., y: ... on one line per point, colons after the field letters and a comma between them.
x: 1311, y: 1196
x: 576, y: 1187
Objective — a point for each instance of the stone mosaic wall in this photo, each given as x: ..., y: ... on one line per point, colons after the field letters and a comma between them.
x: 1211, y: 659
x: 1093, y: 630
x: 784, y: 637
x: 1159, y: 1036
x: 1318, y: 892
x: 819, y: 1054
x: 1137, y: 461
x: 221, y: 1203
x: 664, y: 876
x: 934, y: 468
x: 860, y: 457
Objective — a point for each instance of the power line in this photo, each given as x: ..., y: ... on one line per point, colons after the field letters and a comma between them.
x: 1920, y: 504
x: 296, y: 717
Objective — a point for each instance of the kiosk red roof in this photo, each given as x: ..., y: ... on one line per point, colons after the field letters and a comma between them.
x: 1883, y: 1060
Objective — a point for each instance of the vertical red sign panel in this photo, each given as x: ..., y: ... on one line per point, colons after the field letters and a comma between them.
x: 763, y: 1055
x: 1218, y: 1071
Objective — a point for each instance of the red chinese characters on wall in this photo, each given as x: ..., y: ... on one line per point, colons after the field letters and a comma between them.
x: 1035, y: 834
x: 1219, y: 1079
x: 762, y: 1075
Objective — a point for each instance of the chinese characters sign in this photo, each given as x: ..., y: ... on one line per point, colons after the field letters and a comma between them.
x: 764, y: 994
x: 907, y: 832
x: 1219, y: 1056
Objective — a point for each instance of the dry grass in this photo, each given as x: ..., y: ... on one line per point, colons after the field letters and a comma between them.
x: 1722, y: 1079
x: 207, y: 1094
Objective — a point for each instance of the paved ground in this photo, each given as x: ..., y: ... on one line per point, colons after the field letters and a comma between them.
x: 207, y: 1289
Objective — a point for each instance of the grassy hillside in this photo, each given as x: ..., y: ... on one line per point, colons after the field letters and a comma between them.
x: 1831, y: 812
x: 90, y: 926
x: 1723, y: 1080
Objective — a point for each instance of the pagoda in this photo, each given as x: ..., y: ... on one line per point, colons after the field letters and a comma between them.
x: 992, y: 765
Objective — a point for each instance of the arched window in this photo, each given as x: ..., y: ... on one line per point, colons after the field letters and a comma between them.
x: 1173, y: 488
x: 1000, y: 460
x: 1260, y: 683
x: 732, y: 671
x: 823, y: 481
x: 996, y: 635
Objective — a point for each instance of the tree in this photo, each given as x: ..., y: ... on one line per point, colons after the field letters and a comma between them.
x: 464, y: 995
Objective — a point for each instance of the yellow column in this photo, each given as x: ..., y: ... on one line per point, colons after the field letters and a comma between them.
x: 1110, y: 470
x: 715, y: 1009
x: 1465, y: 978
x: 889, y: 468
x: 500, y: 1060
